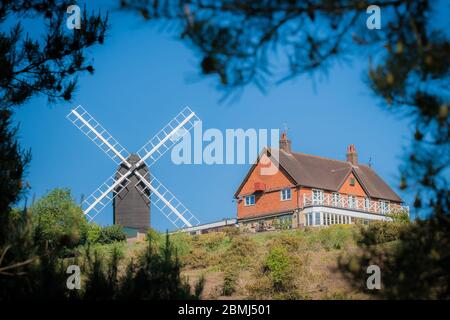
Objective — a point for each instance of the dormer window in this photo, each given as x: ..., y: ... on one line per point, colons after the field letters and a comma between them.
x: 250, y: 200
x: 352, y: 182
x: 285, y: 194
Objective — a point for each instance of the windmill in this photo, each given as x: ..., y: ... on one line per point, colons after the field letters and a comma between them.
x: 132, y: 185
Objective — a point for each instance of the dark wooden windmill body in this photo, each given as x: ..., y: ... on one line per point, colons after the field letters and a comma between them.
x: 131, y: 206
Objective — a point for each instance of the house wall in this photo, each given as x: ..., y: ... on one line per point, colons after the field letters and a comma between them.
x: 269, y: 201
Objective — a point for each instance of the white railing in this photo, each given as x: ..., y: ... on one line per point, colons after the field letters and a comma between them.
x: 355, y: 203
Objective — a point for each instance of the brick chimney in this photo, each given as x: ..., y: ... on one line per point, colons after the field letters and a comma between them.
x: 285, y: 143
x: 352, y: 156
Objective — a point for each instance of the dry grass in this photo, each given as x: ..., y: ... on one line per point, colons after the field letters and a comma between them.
x: 318, y: 250
x: 315, y: 253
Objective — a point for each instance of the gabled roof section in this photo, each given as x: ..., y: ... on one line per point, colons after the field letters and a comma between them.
x: 247, y: 176
x: 376, y: 187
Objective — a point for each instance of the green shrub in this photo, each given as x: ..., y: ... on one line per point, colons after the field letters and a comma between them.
x: 279, y: 275
x: 182, y: 243
x: 210, y: 241
x: 102, y: 274
x: 239, y: 252
x: 333, y: 237
x: 156, y: 276
x: 112, y: 234
x: 380, y: 232
x: 201, y: 251
x: 231, y: 231
x: 155, y: 236
x: 278, y: 266
x: 242, y: 246
x: 197, y: 258
x: 230, y: 279
x: 399, y: 215
x: 291, y: 242
x: 58, y: 222
x: 93, y: 233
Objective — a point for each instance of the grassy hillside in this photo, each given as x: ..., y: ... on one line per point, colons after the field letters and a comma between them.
x: 300, y: 264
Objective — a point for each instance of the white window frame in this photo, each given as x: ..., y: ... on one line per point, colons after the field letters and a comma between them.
x: 284, y: 193
x: 352, y: 203
x: 384, y: 206
x: 249, y: 203
x: 367, y: 204
x: 336, y: 199
x: 317, y: 196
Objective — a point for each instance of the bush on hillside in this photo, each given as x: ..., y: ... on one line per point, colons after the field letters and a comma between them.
x: 182, y: 243
x: 210, y: 241
x: 278, y: 266
x: 93, y: 233
x: 399, y: 215
x: 58, y: 221
x: 111, y: 234
x: 231, y: 231
x: 239, y: 252
x: 230, y: 280
x: 334, y: 237
x: 278, y: 275
x: 290, y: 241
x: 379, y: 232
x: 199, y: 258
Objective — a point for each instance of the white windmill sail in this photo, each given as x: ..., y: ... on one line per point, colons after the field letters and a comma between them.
x: 99, y: 135
x: 104, y: 194
x: 166, y: 138
x: 166, y: 202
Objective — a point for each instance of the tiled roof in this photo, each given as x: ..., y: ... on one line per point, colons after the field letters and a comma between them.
x: 329, y: 174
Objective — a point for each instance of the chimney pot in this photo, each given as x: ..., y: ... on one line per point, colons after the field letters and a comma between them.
x: 285, y: 143
x: 352, y: 155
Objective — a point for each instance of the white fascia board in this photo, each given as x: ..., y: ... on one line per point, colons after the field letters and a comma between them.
x: 351, y: 213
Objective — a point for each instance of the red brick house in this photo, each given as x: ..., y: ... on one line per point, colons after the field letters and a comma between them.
x: 309, y: 190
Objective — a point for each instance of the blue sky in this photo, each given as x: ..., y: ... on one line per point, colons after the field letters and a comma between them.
x: 144, y: 77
